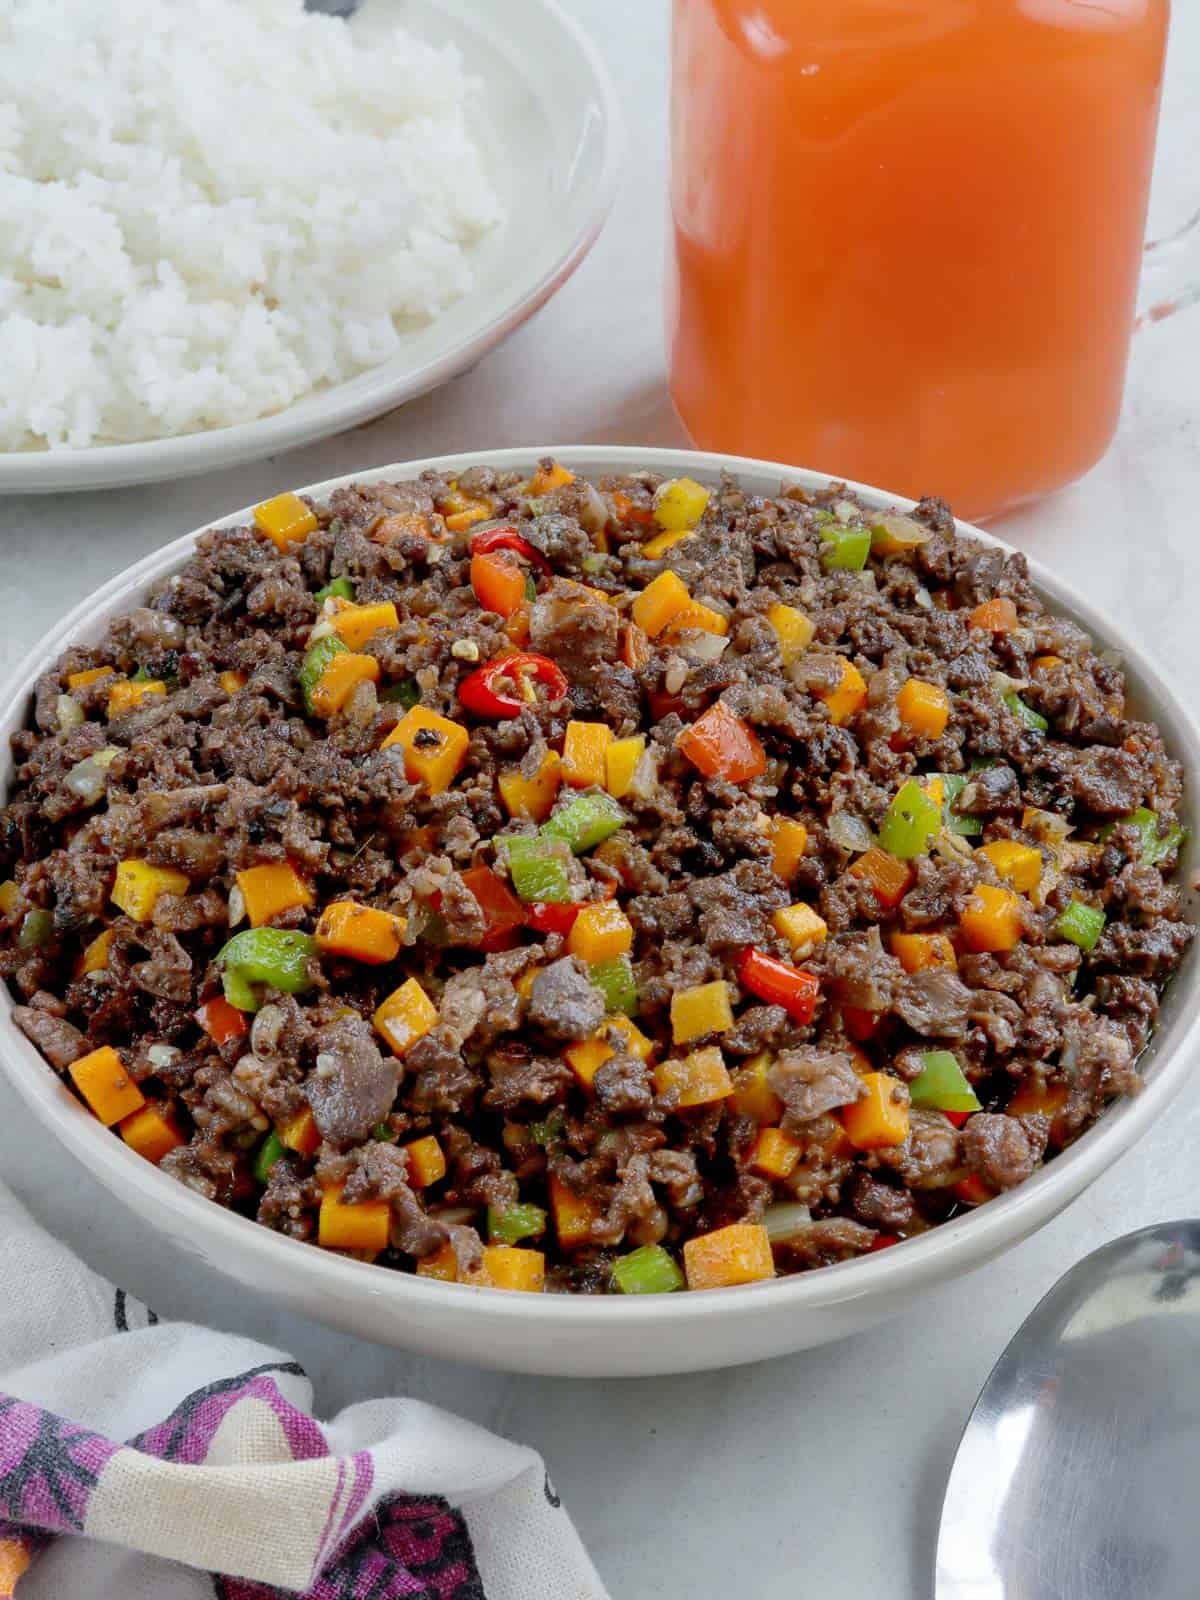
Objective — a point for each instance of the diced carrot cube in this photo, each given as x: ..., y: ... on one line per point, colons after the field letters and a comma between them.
x: 433, y: 761
x: 126, y: 695
x: 849, y: 696
x: 231, y: 682
x: 891, y: 879
x: 95, y: 957
x: 151, y: 1132
x: 751, y: 1095
x: 548, y: 477
x: 364, y: 1227
x: 699, y: 616
x: 702, y: 1009
x: 80, y: 680
x: 992, y: 919
x: 1018, y: 864
x: 800, y: 926
x: 573, y: 1215
x: 532, y: 798
x: 362, y: 933
x: 507, y: 1267
x: 339, y: 680
x: 584, y: 747
x: 601, y: 932
x: 300, y: 1133
x: 654, y: 548
x: 789, y: 840
x: 1030, y: 1099
x: 917, y: 951
x: 442, y: 1264
x: 405, y: 1016
x: 924, y: 708
x: 104, y: 1083
x: 660, y: 602
x: 426, y: 1163
x: 698, y: 1080
x: 776, y: 1154
x: 879, y: 1120
x: 740, y: 1253
x: 994, y: 616
x: 354, y: 625
x: 270, y: 889
x: 588, y: 1055
x: 285, y: 519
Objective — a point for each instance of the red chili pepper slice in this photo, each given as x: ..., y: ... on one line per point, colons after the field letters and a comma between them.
x: 882, y: 1242
x: 503, y: 913
x: 778, y: 984
x: 506, y: 537
x: 545, y: 917
x: 221, y: 1021
x: 479, y: 693
x: 956, y: 1117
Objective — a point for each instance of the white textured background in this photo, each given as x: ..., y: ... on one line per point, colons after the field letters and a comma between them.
x: 819, y: 1474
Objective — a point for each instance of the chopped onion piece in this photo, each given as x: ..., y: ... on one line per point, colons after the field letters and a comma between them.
x: 162, y: 1055
x: 454, y: 1216
x: 786, y: 1222
x: 70, y: 714
x: 923, y: 598
x: 105, y: 758
x: 904, y: 530
x: 867, y: 578
x: 237, y: 905
x: 644, y: 783
x: 705, y: 647
x: 845, y: 512
x: 321, y: 630
x: 86, y: 779
x: 849, y: 832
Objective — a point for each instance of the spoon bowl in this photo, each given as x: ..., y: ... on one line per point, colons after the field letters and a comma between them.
x: 1075, y: 1475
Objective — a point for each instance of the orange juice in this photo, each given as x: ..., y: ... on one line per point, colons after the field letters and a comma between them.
x: 907, y: 233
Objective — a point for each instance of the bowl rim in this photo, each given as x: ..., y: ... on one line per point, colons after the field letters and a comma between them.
x: 913, y: 1264
x: 378, y: 390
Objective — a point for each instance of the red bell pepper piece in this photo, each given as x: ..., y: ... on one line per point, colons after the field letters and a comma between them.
x: 545, y: 917
x: 859, y: 1024
x: 882, y: 1242
x: 956, y: 1117
x: 778, y: 984
x: 723, y: 746
x: 506, y: 537
x: 482, y: 692
x: 890, y: 879
x: 972, y: 1191
x: 503, y: 913
x: 221, y: 1021
x: 498, y: 582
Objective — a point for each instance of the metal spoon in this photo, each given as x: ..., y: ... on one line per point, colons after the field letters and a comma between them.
x: 1077, y: 1473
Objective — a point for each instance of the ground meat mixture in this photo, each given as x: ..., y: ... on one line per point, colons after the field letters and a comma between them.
x: 604, y: 886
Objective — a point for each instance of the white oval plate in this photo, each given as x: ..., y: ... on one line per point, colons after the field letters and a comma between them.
x: 607, y: 1335
x: 550, y: 130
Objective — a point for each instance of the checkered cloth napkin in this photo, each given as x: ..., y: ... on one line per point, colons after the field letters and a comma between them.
x: 142, y: 1460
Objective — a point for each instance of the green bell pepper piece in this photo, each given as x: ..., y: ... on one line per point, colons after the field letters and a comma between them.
x: 515, y: 1224
x: 648, y: 1270
x: 912, y: 822
x: 585, y: 822
x: 616, y: 983
x: 1156, y: 846
x: 1026, y: 714
x: 846, y: 546
x: 942, y: 1085
x: 538, y: 868
x: 383, y: 1133
x: 336, y: 589
x: 269, y: 1152
x: 37, y: 929
x: 406, y: 693
x: 315, y: 662
x: 1081, y: 924
x: 953, y: 784
x: 278, y: 956
x: 546, y: 1132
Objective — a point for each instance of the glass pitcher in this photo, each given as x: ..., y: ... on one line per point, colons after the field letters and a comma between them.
x: 907, y: 234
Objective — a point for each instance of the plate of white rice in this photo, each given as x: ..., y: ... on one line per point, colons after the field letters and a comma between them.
x: 229, y: 228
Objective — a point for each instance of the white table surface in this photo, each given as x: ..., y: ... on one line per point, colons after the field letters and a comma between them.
x: 819, y: 1474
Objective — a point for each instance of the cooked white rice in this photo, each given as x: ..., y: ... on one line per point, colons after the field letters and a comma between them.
x: 210, y: 207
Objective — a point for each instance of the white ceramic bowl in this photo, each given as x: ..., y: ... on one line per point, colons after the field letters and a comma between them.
x: 602, y: 1336
x: 549, y: 125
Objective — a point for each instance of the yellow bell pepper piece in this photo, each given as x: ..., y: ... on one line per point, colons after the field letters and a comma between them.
x: 584, y: 747
x: 339, y: 680
x: 662, y: 542
x: 362, y: 933
x: 849, y: 696
x: 95, y: 957
x: 151, y: 1133
x: 271, y: 889
x: 775, y: 1153
x: 354, y: 625
x: 696, y: 615
x: 705, y: 1008
x: 300, y: 1133
x: 1018, y: 864
x: 125, y: 696
x: 507, y: 1267
x: 924, y: 708
x: 935, y: 788
x: 547, y: 478
x: 740, y: 1253
x: 917, y: 951
x: 620, y: 761
x: 443, y: 1264
x: 1047, y: 1099
x: 793, y: 629
x: 751, y: 1096
x: 660, y: 602
x: 532, y: 799
x: 104, y: 1083
x: 586, y: 1057
x: 80, y: 680
x: 364, y: 1226
x: 10, y: 895
x: 992, y: 919
x: 679, y: 504
x: 231, y: 682
x: 697, y: 1080
x: 800, y: 926
x: 880, y: 1119
x: 285, y: 519
x: 433, y: 762
x: 789, y: 840
x: 524, y: 984
x: 473, y: 511
x: 138, y: 885
x: 405, y: 1016
x: 601, y: 932
x: 573, y: 1215
x: 426, y: 1163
